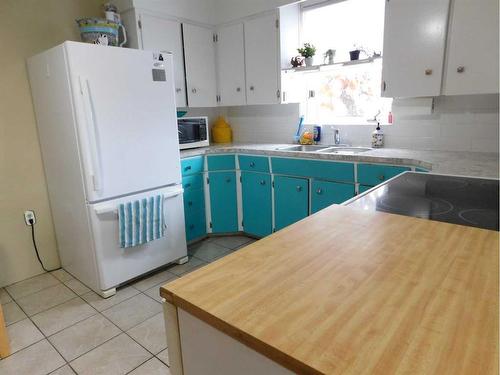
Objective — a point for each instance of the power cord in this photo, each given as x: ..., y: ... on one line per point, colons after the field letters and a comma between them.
x: 32, y: 225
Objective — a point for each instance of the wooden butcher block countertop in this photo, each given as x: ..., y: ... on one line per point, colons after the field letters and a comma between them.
x: 353, y: 292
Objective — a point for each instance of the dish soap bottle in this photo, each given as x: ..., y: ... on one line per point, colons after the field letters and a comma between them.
x: 378, y: 137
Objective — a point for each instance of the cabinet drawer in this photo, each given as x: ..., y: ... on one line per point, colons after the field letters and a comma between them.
x: 343, y: 172
x: 194, y: 201
x: 326, y: 193
x: 221, y: 162
x: 192, y: 165
x: 194, y: 182
x: 254, y: 163
x: 374, y: 174
x: 195, y: 225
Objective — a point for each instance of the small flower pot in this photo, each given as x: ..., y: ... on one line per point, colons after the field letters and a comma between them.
x: 309, y: 61
x: 354, y: 54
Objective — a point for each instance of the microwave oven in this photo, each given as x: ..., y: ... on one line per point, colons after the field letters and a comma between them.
x: 193, y: 132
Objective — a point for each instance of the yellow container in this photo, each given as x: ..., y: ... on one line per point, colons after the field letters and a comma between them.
x: 221, y: 131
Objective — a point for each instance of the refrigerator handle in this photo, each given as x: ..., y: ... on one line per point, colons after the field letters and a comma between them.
x: 95, y: 173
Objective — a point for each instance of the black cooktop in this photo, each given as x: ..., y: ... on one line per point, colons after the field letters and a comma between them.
x: 452, y: 199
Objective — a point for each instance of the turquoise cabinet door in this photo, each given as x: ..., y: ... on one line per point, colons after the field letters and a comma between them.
x: 257, y: 203
x: 192, y: 165
x: 291, y: 200
x: 223, y: 203
x: 326, y: 193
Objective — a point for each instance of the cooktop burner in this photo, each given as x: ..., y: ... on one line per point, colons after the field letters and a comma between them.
x: 458, y: 200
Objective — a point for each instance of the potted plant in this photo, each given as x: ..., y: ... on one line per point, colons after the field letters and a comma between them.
x: 308, y: 51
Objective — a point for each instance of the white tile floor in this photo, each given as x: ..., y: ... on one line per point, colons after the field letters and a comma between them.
x: 56, y: 325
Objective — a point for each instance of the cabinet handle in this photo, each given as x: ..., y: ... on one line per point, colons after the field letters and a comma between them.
x: 319, y: 191
x: 299, y: 188
x: 187, y: 186
x: 252, y: 88
x: 428, y: 72
x: 187, y: 168
x: 461, y: 69
x: 191, y: 226
x: 263, y: 182
x: 252, y: 164
x: 238, y: 89
x: 193, y: 90
x: 381, y: 177
x: 228, y: 180
x: 190, y: 203
x: 178, y: 90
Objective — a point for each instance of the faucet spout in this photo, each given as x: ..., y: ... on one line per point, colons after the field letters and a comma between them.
x: 336, y: 136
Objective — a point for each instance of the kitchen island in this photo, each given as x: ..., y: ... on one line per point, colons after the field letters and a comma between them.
x: 342, y: 292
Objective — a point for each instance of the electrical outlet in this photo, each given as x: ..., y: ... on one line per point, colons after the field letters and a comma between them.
x: 29, y: 215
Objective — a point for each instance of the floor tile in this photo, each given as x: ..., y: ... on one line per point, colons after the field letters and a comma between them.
x: 76, y: 286
x: 23, y: 334
x: 151, y: 367
x: 151, y: 334
x: 29, y: 286
x: 4, y: 297
x: 12, y: 313
x: 150, y: 281
x: 38, y: 359
x: 133, y: 311
x: 45, y: 299
x: 245, y: 244
x: 207, y: 251
x: 101, y: 304
x: 65, y: 370
x: 193, y: 264
x: 62, y: 275
x: 79, y: 339
x: 230, y: 242
x: 154, y: 292
x: 63, y: 316
x: 115, y: 357
x: 163, y: 356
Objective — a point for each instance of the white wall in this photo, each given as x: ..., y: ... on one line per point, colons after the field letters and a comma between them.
x: 459, y: 123
x: 228, y: 10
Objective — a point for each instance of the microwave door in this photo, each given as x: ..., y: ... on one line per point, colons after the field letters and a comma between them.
x: 189, y: 133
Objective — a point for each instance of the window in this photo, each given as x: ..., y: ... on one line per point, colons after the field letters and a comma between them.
x: 345, y: 93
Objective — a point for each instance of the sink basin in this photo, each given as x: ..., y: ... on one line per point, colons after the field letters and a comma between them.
x: 303, y: 148
x: 344, y: 150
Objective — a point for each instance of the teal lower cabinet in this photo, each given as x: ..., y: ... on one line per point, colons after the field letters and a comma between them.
x: 194, y: 214
x: 363, y: 188
x: 325, y: 193
x: 374, y: 174
x: 291, y: 200
x: 223, y: 202
x: 256, y: 192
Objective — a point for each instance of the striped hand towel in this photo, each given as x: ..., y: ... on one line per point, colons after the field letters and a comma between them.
x: 141, y: 221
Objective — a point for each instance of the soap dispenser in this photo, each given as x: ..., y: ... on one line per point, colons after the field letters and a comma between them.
x: 378, y: 137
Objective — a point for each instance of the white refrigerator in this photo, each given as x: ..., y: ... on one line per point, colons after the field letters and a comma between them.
x: 107, y: 127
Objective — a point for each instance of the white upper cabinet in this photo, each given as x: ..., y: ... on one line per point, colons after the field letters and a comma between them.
x: 414, y: 44
x: 160, y: 34
x: 199, y: 53
x: 262, y: 60
x: 230, y: 49
x: 472, y: 54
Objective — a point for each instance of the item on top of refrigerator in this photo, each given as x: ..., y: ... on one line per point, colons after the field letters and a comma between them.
x: 101, y: 31
x: 378, y: 137
x: 390, y: 118
x: 221, y: 131
x: 317, y: 134
x: 111, y: 12
x: 299, y: 129
x: 307, y: 138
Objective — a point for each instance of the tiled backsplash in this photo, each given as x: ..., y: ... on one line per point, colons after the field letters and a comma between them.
x: 460, y: 123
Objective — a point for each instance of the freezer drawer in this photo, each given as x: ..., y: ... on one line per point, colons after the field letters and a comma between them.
x: 116, y: 265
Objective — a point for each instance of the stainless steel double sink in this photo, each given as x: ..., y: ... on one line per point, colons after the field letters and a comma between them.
x: 337, y: 149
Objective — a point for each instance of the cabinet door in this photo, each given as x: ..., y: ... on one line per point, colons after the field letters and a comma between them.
x: 472, y: 54
x: 257, y: 206
x: 414, y: 42
x: 326, y: 193
x: 231, y: 65
x: 194, y: 214
x: 262, y: 60
x: 291, y: 200
x: 223, y: 203
x: 159, y: 34
x: 199, y: 53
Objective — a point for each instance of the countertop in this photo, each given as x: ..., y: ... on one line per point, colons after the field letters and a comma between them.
x: 462, y: 163
x: 381, y: 293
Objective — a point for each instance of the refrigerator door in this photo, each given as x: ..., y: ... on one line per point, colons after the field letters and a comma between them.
x: 116, y: 265
x: 126, y: 119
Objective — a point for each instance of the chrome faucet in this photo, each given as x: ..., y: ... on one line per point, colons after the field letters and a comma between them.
x: 336, y: 136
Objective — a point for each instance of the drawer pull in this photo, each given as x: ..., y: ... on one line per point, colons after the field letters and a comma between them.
x: 187, y: 168
x: 263, y: 182
x: 187, y: 186
x: 252, y: 164
x: 190, y: 203
x: 319, y: 191
x: 228, y: 180
x: 299, y: 188
x: 381, y: 177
